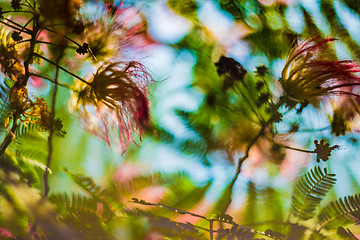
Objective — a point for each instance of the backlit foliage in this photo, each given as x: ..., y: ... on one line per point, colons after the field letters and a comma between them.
x: 262, y: 146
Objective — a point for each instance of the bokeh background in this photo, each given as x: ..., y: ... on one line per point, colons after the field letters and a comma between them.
x: 187, y: 156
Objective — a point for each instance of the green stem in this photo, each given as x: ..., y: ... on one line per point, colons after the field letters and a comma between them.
x: 51, y: 135
x: 246, y: 154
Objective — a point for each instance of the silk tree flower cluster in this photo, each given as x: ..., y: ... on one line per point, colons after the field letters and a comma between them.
x: 310, y: 73
x: 115, y: 97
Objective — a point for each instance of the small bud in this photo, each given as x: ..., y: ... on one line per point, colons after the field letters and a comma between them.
x: 16, y: 36
x: 15, y: 4
x: 263, y: 98
x: 83, y: 49
x: 323, y: 150
x: 261, y: 70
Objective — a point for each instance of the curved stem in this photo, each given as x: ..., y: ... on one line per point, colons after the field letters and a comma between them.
x: 293, y: 148
x: 246, y: 154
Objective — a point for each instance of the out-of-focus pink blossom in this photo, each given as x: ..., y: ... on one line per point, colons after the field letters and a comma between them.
x: 37, y: 82
x: 115, y: 98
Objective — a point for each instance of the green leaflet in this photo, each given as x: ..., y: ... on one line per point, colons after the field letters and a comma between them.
x: 340, y: 213
x: 309, y: 191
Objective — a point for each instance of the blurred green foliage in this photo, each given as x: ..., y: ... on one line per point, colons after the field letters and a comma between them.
x: 245, y: 124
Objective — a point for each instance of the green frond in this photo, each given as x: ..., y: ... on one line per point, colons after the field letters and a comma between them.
x: 273, y: 204
x: 184, y: 194
x: 251, y: 213
x: 353, y: 5
x: 340, y: 213
x: 28, y: 128
x: 345, y: 233
x: 309, y: 191
x: 76, y: 202
x: 73, y: 202
x: 193, y: 146
x: 4, y: 101
x: 107, y: 197
x: 88, y: 224
x: 223, y: 201
x: 166, y: 226
x: 338, y: 29
x: 143, y: 181
x: 87, y: 184
x: 310, y: 26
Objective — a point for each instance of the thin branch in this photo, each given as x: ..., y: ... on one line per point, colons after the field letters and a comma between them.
x: 78, y: 44
x: 55, y: 44
x: 51, y: 135
x: 9, y: 25
x: 24, y: 27
x: 19, y: 27
x: 51, y: 80
x: 248, y: 101
x: 292, y: 148
x: 23, y: 41
x: 64, y: 69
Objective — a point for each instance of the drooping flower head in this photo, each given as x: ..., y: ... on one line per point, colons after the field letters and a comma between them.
x: 116, y: 97
x: 310, y: 73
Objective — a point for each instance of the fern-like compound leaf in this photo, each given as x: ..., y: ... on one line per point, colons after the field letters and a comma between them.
x: 309, y: 191
x: 340, y: 213
x: 4, y: 101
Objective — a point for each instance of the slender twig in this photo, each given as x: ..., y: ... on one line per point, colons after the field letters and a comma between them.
x: 12, y: 11
x: 20, y: 27
x: 248, y: 101
x: 51, y: 80
x: 24, y: 27
x: 55, y: 44
x: 246, y: 154
x: 34, y: 33
x: 23, y: 41
x: 51, y: 135
x: 293, y: 148
x: 47, y: 29
x: 9, y: 25
x: 307, y: 130
x: 64, y: 69
x: 211, y: 229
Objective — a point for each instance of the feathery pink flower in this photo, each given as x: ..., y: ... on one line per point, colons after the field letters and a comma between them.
x: 310, y: 73
x: 116, y: 97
